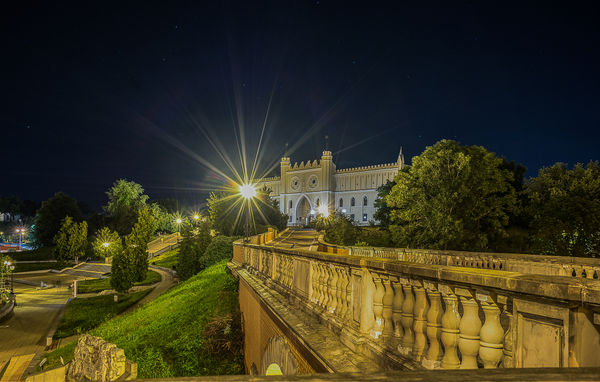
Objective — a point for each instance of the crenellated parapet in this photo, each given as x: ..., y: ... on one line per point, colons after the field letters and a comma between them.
x: 368, y: 168
x: 307, y: 165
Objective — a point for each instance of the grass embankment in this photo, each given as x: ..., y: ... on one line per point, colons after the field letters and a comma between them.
x: 98, y: 285
x: 167, y: 259
x: 192, y: 329
x: 83, y: 314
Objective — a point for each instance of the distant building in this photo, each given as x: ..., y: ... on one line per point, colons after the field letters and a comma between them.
x: 305, y: 190
x: 8, y: 217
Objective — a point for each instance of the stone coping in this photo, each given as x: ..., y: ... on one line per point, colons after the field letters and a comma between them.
x: 7, y: 309
x: 555, y: 287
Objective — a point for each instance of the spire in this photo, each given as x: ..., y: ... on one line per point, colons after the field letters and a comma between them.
x: 285, y: 154
x: 327, y: 143
x: 400, y: 158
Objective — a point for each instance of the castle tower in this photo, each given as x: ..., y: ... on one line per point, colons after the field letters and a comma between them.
x: 283, y: 185
x: 327, y: 178
x: 400, y: 159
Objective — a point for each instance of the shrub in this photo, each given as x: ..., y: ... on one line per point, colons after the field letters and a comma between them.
x: 220, y: 248
x: 374, y: 237
x: 195, y: 242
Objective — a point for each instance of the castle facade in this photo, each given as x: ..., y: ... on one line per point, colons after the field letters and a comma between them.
x: 307, y: 189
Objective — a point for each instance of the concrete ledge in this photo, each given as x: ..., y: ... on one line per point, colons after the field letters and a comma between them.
x: 7, y: 310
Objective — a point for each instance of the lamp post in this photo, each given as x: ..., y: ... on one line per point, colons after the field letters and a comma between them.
x: 178, y: 221
x: 248, y: 192
x: 20, y: 231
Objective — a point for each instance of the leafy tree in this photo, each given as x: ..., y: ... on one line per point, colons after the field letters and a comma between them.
x: 339, y: 228
x: 107, y: 243
x: 122, y: 271
x: 452, y: 197
x: 125, y: 199
x: 136, y: 243
x: 194, y: 244
x: 227, y: 212
x: 565, y: 206
x: 220, y: 248
x: 382, y: 213
x: 165, y: 221
x: 71, y: 240
x: 50, y: 215
x: 6, y: 268
x: 169, y: 205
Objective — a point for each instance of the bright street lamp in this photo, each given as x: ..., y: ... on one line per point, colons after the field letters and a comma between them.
x: 323, y: 211
x: 20, y: 231
x: 248, y: 191
x: 196, y: 217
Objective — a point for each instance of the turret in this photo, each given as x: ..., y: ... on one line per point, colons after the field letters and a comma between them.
x: 400, y: 161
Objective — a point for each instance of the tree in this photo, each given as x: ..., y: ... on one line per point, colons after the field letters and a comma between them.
x: 50, y: 215
x: 452, y: 197
x: 122, y: 272
x: 220, y: 248
x: 71, y: 240
x: 194, y: 244
x: 339, y: 228
x: 125, y: 199
x: 136, y: 243
x: 227, y: 212
x: 382, y: 212
x: 107, y: 243
x: 165, y: 221
x: 565, y: 206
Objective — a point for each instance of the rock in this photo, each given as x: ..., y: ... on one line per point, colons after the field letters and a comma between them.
x: 99, y: 361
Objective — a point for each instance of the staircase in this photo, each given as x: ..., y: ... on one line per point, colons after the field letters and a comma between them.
x: 13, y: 369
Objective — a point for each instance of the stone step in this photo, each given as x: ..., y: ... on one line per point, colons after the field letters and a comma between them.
x: 16, y: 367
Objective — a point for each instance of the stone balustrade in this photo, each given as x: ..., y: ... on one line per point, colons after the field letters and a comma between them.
x: 512, y: 262
x: 434, y: 314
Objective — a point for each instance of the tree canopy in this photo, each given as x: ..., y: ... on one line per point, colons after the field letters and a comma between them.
x: 125, y: 198
x: 452, y: 197
x: 50, y: 215
x: 196, y: 238
x: 71, y: 240
x: 565, y: 208
x: 107, y: 243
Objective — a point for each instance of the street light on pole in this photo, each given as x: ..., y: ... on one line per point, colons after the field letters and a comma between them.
x: 20, y: 231
x: 248, y: 191
x: 178, y: 221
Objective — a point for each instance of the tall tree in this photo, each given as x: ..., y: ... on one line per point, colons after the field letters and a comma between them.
x: 50, y: 215
x: 195, y: 241
x: 125, y: 198
x: 136, y: 243
x: 452, y: 197
x: 565, y: 206
x: 382, y: 212
x: 71, y: 240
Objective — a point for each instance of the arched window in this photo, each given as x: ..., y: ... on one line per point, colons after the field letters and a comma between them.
x: 290, y: 204
x: 352, y: 202
x: 341, y: 202
x: 317, y: 202
x: 365, y: 201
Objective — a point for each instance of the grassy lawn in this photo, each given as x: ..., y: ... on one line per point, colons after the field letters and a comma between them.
x: 20, y: 267
x: 182, y: 332
x: 98, y: 285
x: 167, y: 259
x: 83, y: 314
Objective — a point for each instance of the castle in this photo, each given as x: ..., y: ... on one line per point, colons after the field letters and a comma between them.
x: 318, y: 187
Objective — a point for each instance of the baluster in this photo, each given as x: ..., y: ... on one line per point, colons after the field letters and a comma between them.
x: 508, y: 360
x: 388, y: 299
x: 450, y: 322
x: 377, y: 306
x: 434, y: 328
x: 367, y: 292
x: 470, y: 325
x: 420, y: 320
x: 333, y: 290
x: 325, y: 286
x: 407, y: 319
x: 349, y: 305
x: 317, y: 284
x: 338, y: 292
x: 397, y: 308
x: 490, y: 350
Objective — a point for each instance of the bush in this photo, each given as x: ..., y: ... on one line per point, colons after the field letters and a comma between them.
x: 339, y: 228
x: 220, y: 248
x: 374, y: 237
x: 194, y: 244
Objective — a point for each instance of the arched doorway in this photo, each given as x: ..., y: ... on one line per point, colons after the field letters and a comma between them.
x: 303, y: 209
x: 278, y: 359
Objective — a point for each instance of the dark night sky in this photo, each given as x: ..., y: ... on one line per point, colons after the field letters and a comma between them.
x: 96, y: 91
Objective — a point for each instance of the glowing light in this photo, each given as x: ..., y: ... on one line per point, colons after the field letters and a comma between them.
x: 105, y: 245
x: 323, y: 210
x: 178, y: 221
x: 248, y: 191
x: 196, y: 217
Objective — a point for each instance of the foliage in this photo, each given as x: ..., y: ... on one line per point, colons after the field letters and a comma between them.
x: 167, y: 259
x: 220, y: 248
x: 98, y: 285
x: 6, y: 264
x: 125, y: 198
x: 83, y: 314
x: 339, y: 228
x: 28, y: 267
x: 51, y: 214
x: 107, y: 243
x: 227, y: 212
x: 44, y: 253
x: 194, y: 244
x: 16, y: 206
x: 122, y: 271
x: 374, y: 237
x: 565, y: 206
x: 382, y: 212
x: 71, y: 240
x: 165, y: 220
x: 452, y: 197
x: 136, y: 243
x: 169, y: 205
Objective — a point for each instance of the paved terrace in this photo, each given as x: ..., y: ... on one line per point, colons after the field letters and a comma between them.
x: 322, y: 309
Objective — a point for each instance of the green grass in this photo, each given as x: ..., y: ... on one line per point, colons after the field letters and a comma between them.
x: 44, y: 253
x: 27, y: 267
x: 167, y: 259
x: 83, y: 314
x: 53, y: 358
x: 98, y: 285
x: 178, y: 333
